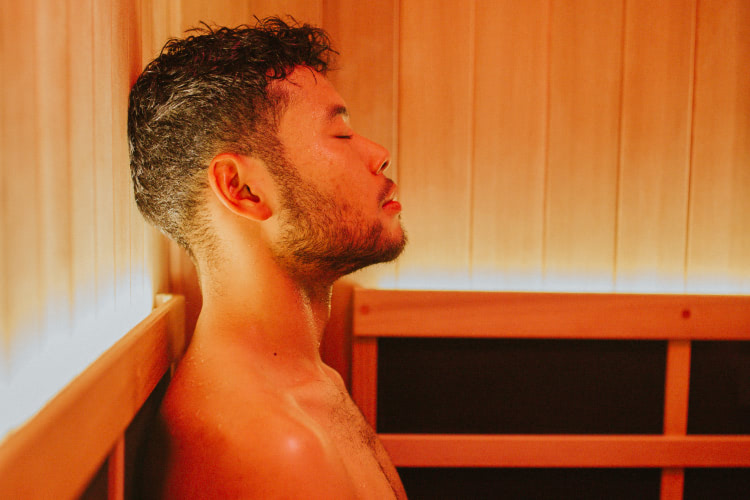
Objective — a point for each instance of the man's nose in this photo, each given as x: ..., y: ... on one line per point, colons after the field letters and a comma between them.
x: 383, y: 166
x: 380, y: 158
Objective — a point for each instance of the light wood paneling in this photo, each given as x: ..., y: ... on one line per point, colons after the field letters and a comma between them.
x: 217, y: 12
x: 510, y: 118
x: 163, y: 20
x: 621, y: 198
x: 54, y: 167
x: 584, y: 117
x: 103, y: 170
x: 417, y: 313
x: 125, y: 38
x: 427, y: 450
x: 435, y: 139
x: 655, y: 149
x: 365, y: 33
x: 73, y: 247
x: 232, y: 13
x: 21, y: 209
x: 82, y: 172
x: 719, y: 234
x: 5, y: 333
x: 308, y: 11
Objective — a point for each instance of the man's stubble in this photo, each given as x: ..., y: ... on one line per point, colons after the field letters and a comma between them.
x: 324, y: 236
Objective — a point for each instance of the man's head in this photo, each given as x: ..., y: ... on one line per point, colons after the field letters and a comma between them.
x: 204, y: 95
x: 215, y: 109
x: 338, y: 212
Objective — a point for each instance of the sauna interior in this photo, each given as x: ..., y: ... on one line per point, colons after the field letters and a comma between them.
x: 570, y: 318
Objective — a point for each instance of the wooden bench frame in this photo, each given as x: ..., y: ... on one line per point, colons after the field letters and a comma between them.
x: 677, y: 319
x: 58, y: 451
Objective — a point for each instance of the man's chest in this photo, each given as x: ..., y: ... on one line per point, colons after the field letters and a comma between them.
x: 364, y: 457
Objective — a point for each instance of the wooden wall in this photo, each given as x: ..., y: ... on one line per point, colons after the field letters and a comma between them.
x: 565, y: 145
x: 550, y: 145
x: 78, y: 266
x: 543, y: 145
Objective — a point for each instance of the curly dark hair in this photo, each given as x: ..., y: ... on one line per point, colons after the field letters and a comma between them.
x: 204, y: 95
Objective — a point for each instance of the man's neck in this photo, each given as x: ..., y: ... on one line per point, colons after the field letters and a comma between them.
x: 265, y: 311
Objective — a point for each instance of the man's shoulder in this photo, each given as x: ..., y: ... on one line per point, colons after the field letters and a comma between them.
x: 234, y: 440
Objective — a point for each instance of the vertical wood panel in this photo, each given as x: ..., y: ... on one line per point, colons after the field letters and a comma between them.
x: 719, y: 233
x: 672, y: 483
x: 365, y: 378
x: 509, y: 143
x: 366, y: 76
x: 309, y: 11
x: 102, y: 159
x: 435, y: 141
x: 676, y: 396
x: 152, y: 38
x: 123, y: 34
x: 21, y: 212
x: 584, y: 115
x: 217, y: 12
x: 83, y: 187
x: 677, y: 387
x: 116, y: 471
x: 67, y: 247
x: 655, y: 151
x: 164, y: 21
x: 53, y: 138
x: 5, y: 333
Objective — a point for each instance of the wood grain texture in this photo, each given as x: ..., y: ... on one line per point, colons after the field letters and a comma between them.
x: 5, y: 332
x: 21, y: 205
x: 435, y: 139
x: 78, y: 428
x: 336, y: 345
x: 124, y: 32
x: 308, y: 11
x: 52, y: 92
x: 672, y: 484
x: 82, y: 171
x: 426, y: 450
x: 584, y: 116
x: 397, y: 313
x: 719, y: 234
x: 102, y: 160
x: 116, y: 471
x: 677, y: 387
x: 215, y: 13
x: 655, y: 147
x: 365, y: 378
x: 510, y: 138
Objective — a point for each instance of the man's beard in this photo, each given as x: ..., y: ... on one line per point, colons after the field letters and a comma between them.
x: 322, y: 238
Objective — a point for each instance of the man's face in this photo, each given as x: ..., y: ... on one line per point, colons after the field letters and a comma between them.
x: 338, y: 213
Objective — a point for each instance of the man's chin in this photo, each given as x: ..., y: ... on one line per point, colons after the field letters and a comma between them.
x: 387, y: 252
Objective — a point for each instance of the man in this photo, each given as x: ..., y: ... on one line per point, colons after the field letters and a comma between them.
x: 242, y: 152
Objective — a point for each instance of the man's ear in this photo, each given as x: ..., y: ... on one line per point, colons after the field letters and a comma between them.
x: 239, y: 183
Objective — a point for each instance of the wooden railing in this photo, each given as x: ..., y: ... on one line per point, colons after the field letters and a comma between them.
x: 676, y: 319
x: 59, y: 450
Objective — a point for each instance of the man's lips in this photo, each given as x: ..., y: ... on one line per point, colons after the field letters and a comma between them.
x: 388, y: 194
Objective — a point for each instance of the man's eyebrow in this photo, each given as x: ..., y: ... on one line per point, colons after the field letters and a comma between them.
x: 336, y: 111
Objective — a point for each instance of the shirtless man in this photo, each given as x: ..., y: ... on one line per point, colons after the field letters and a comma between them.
x: 242, y: 152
